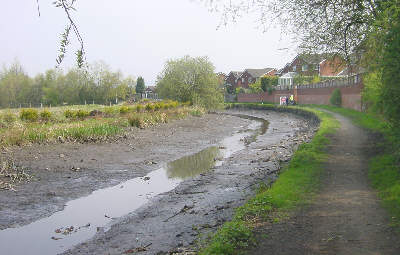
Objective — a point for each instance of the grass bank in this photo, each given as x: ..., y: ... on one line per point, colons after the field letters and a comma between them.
x: 296, y: 185
x: 384, y: 168
x: 85, y: 123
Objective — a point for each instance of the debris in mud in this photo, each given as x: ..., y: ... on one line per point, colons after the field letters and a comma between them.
x: 148, y: 162
x: 182, y: 251
x: 10, y: 175
x: 138, y: 249
x: 146, y: 178
x: 75, y: 169
x: 184, y: 209
x: 56, y: 238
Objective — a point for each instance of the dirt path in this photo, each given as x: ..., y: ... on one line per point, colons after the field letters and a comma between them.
x: 346, y: 217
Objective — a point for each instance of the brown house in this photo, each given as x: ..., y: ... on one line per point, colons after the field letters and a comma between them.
x: 232, y: 79
x: 250, y: 76
x: 314, y: 65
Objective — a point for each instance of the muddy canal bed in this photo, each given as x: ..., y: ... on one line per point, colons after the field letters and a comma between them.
x: 165, y: 185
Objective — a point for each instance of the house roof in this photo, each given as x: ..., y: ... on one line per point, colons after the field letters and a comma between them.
x: 236, y: 74
x: 289, y: 75
x: 151, y: 88
x: 259, y: 72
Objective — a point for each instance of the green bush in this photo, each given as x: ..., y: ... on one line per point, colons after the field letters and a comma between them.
x: 150, y: 107
x: 45, y: 115
x: 111, y: 110
x: 29, y: 115
x: 157, y: 106
x: 139, y: 108
x: 124, y: 109
x: 197, y: 111
x: 136, y: 120
x: 81, y: 114
x: 336, y: 98
x: 69, y: 114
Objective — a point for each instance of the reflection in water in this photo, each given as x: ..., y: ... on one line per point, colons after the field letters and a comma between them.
x: 82, y: 217
x: 193, y: 165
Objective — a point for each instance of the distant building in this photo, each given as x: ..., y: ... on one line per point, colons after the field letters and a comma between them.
x: 231, y: 80
x: 250, y: 76
x: 150, y: 93
x: 311, y: 65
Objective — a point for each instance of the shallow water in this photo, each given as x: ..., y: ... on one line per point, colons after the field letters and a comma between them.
x: 83, y: 217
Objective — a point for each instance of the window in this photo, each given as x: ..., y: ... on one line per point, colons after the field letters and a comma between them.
x: 316, y: 68
x: 304, y: 68
x: 294, y: 68
x: 242, y: 80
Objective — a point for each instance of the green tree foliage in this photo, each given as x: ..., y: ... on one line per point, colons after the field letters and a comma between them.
x: 190, y: 79
x: 268, y: 82
x: 256, y: 87
x: 382, y: 59
x: 140, y: 86
x: 336, y: 98
x: 391, y: 68
x: 97, y: 84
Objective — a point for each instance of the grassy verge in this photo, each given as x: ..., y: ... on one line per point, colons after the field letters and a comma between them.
x: 295, y: 185
x: 384, y: 169
x: 85, y: 123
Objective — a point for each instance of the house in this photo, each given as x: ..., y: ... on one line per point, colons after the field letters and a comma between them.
x: 150, y: 92
x: 231, y: 80
x: 310, y: 65
x: 250, y: 76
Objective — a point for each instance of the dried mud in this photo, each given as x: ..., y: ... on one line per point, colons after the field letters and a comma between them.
x: 169, y: 222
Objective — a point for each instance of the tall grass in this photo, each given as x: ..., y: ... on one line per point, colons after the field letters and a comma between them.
x: 295, y: 185
x: 74, y: 123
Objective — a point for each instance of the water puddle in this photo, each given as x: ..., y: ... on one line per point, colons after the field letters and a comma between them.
x: 83, y: 217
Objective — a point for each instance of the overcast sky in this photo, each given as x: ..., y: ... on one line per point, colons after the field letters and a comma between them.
x: 137, y: 36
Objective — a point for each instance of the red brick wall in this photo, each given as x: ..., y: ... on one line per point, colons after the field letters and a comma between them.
x: 351, y: 96
x: 331, y: 67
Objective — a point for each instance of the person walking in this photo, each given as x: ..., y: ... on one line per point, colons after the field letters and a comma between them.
x: 287, y: 101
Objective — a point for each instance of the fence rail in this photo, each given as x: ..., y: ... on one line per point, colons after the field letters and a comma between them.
x: 339, y: 82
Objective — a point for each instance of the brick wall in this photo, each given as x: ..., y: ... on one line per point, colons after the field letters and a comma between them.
x: 351, y: 96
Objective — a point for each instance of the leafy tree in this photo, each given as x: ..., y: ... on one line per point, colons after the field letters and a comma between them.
x: 190, y: 79
x: 256, y: 87
x: 140, y: 86
x: 268, y: 82
x: 98, y: 83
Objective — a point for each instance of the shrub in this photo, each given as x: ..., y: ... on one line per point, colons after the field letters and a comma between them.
x: 336, y: 98
x: 29, y: 115
x: 160, y: 118
x: 157, y: 106
x: 110, y: 110
x: 81, y: 114
x: 136, y: 120
x: 45, y: 115
x: 124, y: 109
x: 139, y: 108
x: 150, y: 107
x: 69, y: 114
x: 197, y: 111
